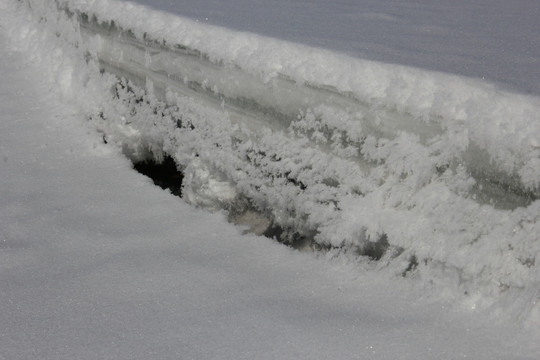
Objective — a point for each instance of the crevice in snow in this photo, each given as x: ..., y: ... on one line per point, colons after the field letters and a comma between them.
x: 321, y: 158
x: 164, y: 174
x: 335, y: 122
x: 265, y: 191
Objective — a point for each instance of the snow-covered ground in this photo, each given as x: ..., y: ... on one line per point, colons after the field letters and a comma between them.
x: 96, y: 262
x: 495, y: 40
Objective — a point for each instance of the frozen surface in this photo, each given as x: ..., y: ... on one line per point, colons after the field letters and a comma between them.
x: 495, y: 40
x: 435, y: 176
x: 96, y: 262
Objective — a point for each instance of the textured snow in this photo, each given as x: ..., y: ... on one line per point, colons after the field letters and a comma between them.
x: 98, y: 263
x: 503, y: 123
x: 437, y: 171
x: 495, y: 40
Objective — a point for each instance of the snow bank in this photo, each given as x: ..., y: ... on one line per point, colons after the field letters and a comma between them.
x: 438, y: 173
x: 492, y: 39
x: 504, y: 124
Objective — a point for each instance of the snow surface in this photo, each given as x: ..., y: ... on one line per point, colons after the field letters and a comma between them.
x: 98, y: 263
x: 438, y: 172
x: 495, y: 40
x: 502, y: 123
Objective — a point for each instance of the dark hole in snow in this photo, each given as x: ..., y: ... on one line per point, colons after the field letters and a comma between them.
x: 375, y: 250
x: 165, y: 174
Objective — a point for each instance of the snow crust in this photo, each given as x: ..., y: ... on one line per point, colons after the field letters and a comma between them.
x: 407, y: 169
x: 494, y: 40
x: 503, y: 123
x: 98, y: 263
x: 407, y: 164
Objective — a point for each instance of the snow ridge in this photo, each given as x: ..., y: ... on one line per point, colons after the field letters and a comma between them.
x: 435, y: 176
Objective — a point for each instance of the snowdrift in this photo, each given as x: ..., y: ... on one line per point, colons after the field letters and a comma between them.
x: 427, y: 175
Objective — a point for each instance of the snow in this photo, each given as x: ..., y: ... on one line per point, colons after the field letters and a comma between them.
x: 437, y: 172
x: 495, y: 40
x: 99, y: 263
x: 503, y: 123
